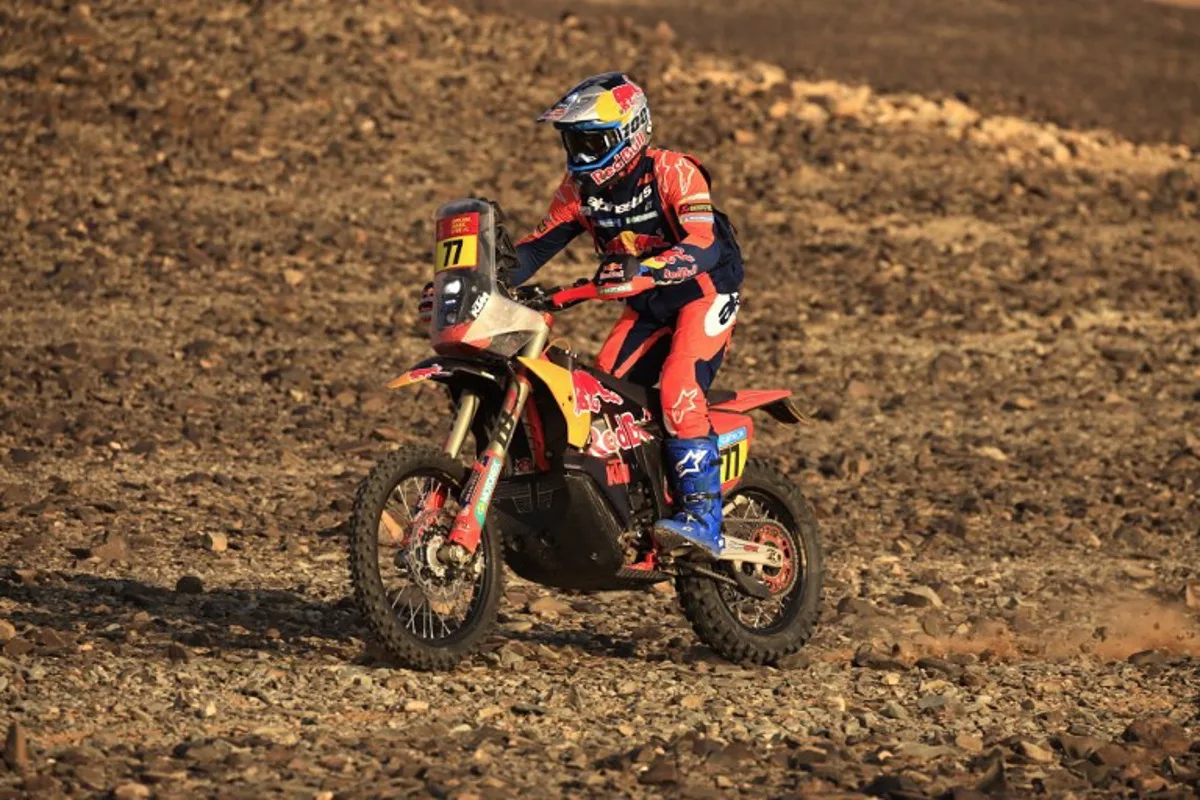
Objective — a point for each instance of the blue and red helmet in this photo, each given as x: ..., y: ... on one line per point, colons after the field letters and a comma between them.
x: 605, y: 126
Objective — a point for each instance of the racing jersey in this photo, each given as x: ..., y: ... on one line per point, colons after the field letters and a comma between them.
x: 663, y: 214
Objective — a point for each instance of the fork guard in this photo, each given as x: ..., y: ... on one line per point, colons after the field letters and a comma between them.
x: 449, y: 371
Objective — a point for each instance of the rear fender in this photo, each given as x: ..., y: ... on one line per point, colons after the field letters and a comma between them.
x: 776, y: 402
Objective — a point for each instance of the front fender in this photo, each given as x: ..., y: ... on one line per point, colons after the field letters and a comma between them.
x: 446, y: 370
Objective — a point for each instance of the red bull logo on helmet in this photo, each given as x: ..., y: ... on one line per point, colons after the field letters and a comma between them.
x: 590, y: 393
x: 626, y: 95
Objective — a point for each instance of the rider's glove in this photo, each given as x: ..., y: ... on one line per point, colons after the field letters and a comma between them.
x: 425, y: 307
x: 616, y: 272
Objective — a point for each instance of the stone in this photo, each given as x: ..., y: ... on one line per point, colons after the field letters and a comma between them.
x: 664, y: 33
x: 893, y: 786
x: 178, y: 654
x: 1191, y: 596
x: 931, y: 702
x: 995, y: 777
x: 971, y: 742
x: 867, y: 656
x: 859, y: 606
x: 1160, y: 733
x: 216, y: 542
x: 416, y: 706
x: 798, y: 661
x: 1035, y: 752
x: 932, y: 664
x: 548, y: 607
x: 812, y: 114
x: 662, y: 771
x: 112, y: 548
x: 18, y: 647
x: 1110, y: 755
x: 189, y: 584
x: 991, y: 452
x: 807, y: 756
x: 936, y: 624
x: 51, y: 639
x: 921, y: 597
x: 7, y: 631
x: 1146, y: 658
x: 20, y: 458
x: 1078, y: 747
x: 131, y: 791
x: 16, y: 748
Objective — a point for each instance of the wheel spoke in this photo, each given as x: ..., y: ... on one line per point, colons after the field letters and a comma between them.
x: 758, y: 519
x: 430, y: 601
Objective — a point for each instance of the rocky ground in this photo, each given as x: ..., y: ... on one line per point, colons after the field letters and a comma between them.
x: 215, y: 227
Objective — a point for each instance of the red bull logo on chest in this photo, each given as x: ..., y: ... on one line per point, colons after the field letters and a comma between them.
x: 636, y: 244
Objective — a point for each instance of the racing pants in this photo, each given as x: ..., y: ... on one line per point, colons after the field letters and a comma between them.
x: 682, y: 351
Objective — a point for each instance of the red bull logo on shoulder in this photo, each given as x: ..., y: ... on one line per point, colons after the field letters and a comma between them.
x: 590, y: 393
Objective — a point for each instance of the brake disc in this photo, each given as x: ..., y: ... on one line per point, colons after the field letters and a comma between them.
x: 446, y: 588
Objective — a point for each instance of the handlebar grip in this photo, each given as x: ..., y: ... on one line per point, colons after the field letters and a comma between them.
x: 575, y: 294
x: 621, y: 291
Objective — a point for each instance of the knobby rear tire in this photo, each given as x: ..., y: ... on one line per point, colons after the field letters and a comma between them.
x: 369, y: 591
x: 711, y: 618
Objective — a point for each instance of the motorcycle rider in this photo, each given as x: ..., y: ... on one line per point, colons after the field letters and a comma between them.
x: 650, y: 213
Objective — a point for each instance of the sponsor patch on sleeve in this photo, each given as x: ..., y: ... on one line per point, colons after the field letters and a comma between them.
x: 695, y: 208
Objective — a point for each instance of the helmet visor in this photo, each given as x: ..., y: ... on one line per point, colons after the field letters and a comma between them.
x: 588, y: 148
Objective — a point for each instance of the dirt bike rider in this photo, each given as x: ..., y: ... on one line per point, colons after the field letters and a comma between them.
x: 649, y: 212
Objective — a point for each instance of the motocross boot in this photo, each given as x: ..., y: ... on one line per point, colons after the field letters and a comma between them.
x: 694, y: 467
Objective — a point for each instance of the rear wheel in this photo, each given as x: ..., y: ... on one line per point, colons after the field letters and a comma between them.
x: 768, y: 508
x: 426, y: 615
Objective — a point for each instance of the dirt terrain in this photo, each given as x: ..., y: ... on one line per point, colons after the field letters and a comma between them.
x: 215, y: 227
x: 1124, y: 65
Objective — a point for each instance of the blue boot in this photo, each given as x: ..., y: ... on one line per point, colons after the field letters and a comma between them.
x: 694, y: 467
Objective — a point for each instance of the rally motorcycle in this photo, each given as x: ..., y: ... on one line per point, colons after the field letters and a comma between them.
x: 566, y: 483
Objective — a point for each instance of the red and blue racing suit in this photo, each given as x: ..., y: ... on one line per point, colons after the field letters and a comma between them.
x: 677, y: 333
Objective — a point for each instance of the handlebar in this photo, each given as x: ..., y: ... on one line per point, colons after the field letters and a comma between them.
x: 539, y: 298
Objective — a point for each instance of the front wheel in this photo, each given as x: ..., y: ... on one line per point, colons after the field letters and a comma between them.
x: 427, y: 615
x: 768, y: 508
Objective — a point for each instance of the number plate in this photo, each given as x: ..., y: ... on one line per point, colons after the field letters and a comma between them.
x: 457, y: 242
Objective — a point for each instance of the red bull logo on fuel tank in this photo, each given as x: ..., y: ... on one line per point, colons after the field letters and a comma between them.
x: 590, y: 393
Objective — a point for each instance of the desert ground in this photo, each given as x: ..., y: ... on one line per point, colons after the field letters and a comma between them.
x: 215, y: 221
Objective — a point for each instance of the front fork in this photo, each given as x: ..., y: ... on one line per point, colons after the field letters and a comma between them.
x: 477, y: 494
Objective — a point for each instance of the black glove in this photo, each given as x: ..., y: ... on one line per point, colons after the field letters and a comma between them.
x: 425, y: 306
x: 618, y: 271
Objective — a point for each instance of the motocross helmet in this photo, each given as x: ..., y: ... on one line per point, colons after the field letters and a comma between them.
x: 605, y: 126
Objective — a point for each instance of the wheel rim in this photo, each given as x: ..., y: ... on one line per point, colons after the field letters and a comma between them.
x: 433, y: 605
x: 760, y: 517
